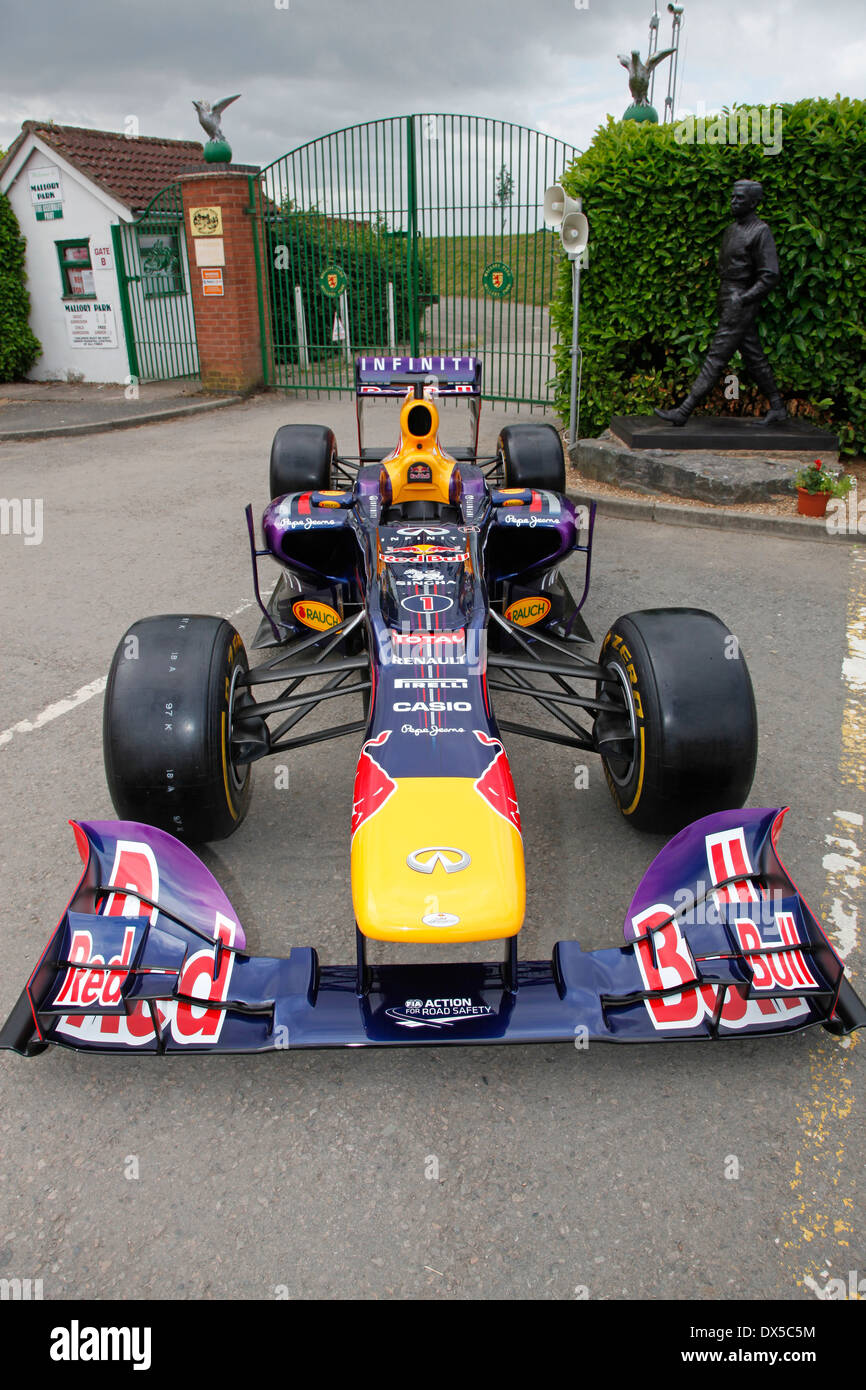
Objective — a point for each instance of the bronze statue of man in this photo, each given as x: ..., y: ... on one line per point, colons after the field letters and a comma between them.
x: 748, y: 269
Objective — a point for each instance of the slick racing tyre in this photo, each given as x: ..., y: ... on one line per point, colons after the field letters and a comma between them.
x: 301, y: 459
x: 166, y: 727
x: 532, y: 457
x: 684, y: 739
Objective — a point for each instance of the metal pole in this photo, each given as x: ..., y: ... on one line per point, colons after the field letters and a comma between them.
x: 301, y: 324
x: 677, y: 12
x: 412, y: 247
x: 574, y: 404
x: 653, y: 45
x: 344, y: 314
x: 392, y: 318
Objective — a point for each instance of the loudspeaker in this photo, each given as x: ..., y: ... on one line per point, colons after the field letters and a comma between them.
x: 564, y: 212
x: 558, y: 205
x: 574, y: 233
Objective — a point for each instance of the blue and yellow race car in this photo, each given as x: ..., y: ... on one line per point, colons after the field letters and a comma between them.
x: 425, y: 581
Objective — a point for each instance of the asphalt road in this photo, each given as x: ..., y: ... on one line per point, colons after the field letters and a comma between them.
x: 558, y: 1170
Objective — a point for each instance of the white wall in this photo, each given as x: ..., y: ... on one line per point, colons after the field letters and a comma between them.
x: 86, y: 213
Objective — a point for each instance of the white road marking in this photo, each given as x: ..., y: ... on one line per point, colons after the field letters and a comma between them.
x: 80, y: 697
x: 51, y: 712
x: 250, y: 603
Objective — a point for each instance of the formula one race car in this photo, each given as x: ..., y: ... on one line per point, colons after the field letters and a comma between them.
x: 426, y: 581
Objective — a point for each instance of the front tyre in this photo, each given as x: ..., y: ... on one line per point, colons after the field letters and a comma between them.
x: 683, y: 740
x: 166, y: 727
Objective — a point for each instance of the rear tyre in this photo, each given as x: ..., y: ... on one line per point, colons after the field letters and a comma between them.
x: 301, y: 459
x: 166, y: 727
x: 532, y: 456
x: 685, y: 738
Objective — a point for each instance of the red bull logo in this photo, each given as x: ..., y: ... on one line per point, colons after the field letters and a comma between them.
x: 496, y: 784
x: 92, y: 982
x: 425, y: 555
x: 668, y: 962
x: 84, y: 984
x: 134, y: 869
x: 373, y: 785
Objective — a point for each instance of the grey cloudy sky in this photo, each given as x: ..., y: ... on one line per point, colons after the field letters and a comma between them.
x: 318, y: 65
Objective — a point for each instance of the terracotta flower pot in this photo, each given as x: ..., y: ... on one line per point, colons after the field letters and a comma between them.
x: 812, y: 503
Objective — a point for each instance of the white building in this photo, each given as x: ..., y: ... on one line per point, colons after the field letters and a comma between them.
x: 98, y: 284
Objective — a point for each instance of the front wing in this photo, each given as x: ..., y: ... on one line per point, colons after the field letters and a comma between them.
x: 149, y: 956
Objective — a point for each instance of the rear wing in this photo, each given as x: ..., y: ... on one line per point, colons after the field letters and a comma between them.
x: 389, y: 376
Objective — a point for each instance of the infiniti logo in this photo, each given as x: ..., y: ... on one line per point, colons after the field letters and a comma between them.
x: 424, y: 861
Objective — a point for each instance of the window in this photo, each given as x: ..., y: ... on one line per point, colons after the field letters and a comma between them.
x: 76, y: 272
x: 161, y: 264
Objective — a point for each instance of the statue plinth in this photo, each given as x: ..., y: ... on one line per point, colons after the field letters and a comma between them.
x: 739, y: 433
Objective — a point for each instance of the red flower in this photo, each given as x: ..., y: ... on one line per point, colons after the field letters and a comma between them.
x: 817, y: 463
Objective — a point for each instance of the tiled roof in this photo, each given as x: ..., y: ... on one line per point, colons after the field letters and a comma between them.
x: 132, y: 170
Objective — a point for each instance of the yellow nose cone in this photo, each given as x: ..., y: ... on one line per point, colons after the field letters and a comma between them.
x: 436, y: 862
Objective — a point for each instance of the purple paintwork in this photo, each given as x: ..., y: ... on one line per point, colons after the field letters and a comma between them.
x: 186, y: 889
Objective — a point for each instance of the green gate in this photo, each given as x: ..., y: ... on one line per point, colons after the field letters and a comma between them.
x: 412, y: 235
x: 155, y: 290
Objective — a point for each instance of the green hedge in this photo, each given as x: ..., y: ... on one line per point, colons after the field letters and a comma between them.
x: 657, y: 209
x: 370, y: 258
x: 19, y: 348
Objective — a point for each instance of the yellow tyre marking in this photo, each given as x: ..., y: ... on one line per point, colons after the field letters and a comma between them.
x: 638, y: 709
x: 628, y: 809
x: 234, y: 813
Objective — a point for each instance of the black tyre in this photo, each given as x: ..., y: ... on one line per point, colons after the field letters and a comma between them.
x: 301, y: 459
x: 166, y: 723
x: 684, y: 740
x: 533, y: 457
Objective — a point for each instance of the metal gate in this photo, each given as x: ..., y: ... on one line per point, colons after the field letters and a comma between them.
x: 412, y: 235
x: 155, y: 291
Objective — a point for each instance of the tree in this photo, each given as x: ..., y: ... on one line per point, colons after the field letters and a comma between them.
x: 504, y: 192
x: 18, y: 346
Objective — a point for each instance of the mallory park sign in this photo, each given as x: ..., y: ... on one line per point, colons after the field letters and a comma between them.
x: 46, y: 193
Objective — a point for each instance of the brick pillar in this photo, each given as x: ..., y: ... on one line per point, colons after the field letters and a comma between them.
x: 228, y: 327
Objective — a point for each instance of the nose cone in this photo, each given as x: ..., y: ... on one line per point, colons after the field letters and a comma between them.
x: 439, y: 861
